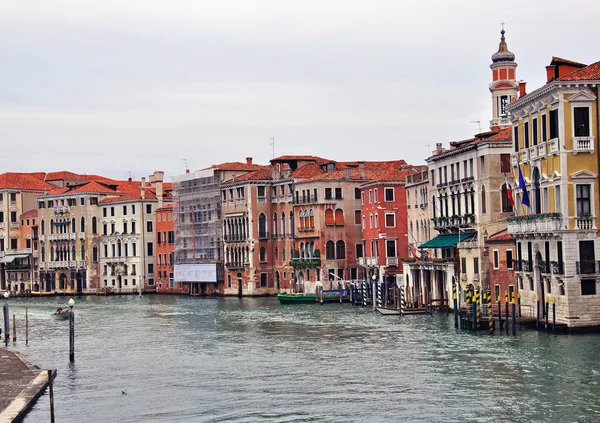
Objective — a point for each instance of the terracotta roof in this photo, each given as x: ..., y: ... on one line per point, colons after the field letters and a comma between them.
x: 91, y: 187
x: 560, y: 61
x: 504, y: 134
x: 166, y: 207
x: 24, y: 182
x: 589, y: 73
x: 63, y: 175
x: 235, y: 166
x: 501, y: 236
x: 304, y: 158
x: 30, y: 213
x: 307, y: 171
x: 257, y: 175
x: 385, y: 175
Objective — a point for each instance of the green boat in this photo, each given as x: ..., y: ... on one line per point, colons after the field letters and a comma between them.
x: 300, y: 298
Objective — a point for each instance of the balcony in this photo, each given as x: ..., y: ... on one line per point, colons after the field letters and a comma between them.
x: 544, y: 267
x: 463, y: 276
x: 373, y: 261
x: 525, y: 155
x: 81, y: 264
x: 14, y: 225
x: 469, y: 244
x: 13, y: 251
x: 476, y: 277
x: 537, y: 223
x: 533, y: 152
x: 61, y: 209
x: 585, y: 223
x: 542, y: 149
x: 558, y: 267
x: 261, y: 200
x: 58, y: 265
x: 554, y: 146
x: 467, y: 179
x: 61, y: 237
x: 587, y: 267
x: 235, y: 238
x: 514, y: 159
x: 361, y: 261
x: 116, y: 260
x: 234, y: 265
x: 583, y: 145
x: 42, y: 266
x: 305, y: 262
x: 391, y: 261
x: 81, y: 235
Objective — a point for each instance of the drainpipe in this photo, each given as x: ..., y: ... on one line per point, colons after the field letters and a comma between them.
x: 597, y: 141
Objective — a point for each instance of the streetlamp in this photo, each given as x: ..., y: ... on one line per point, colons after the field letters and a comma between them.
x: 71, y: 331
x: 6, y: 318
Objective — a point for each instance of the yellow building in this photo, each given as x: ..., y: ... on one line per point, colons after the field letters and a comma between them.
x: 555, y: 133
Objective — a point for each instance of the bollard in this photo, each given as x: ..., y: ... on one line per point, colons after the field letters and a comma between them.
x: 340, y: 288
x: 490, y: 312
x: 6, y: 325
x: 72, y: 336
x: 14, y: 329
x: 507, y: 313
x: 455, y: 303
x: 477, y: 310
x: 26, y: 326
x: 51, y: 383
x: 537, y: 319
x: 547, y: 304
x: 379, y: 295
x: 514, y: 316
x: 500, y: 321
x: 519, y: 300
x: 553, y: 314
x: 468, y: 301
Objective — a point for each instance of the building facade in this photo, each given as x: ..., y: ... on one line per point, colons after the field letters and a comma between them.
x: 165, y: 247
x: 555, y: 131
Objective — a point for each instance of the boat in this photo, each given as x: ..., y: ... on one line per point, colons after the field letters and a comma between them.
x: 386, y: 311
x: 298, y: 298
x: 416, y: 310
x: 61, y: 313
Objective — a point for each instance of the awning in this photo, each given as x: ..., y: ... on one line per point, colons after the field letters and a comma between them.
x: 447, y: 240
x: 9, y: 259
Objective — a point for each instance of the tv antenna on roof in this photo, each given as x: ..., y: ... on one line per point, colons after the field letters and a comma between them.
x: 272, y: 144
x: 185, y: 162
x: 478, y: 122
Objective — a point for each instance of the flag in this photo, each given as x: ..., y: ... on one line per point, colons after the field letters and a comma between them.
x: 509, y: 192
x: 524, y: 196
x: 414, y: 251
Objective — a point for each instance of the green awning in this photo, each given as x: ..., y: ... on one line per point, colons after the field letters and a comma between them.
x: 447, y: 240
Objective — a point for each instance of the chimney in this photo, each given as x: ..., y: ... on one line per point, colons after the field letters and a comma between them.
x: 346, y: 174
x: 143, y: 188
x: 361, y: 167
x: 438, y: 148
x: 143, y: 185
x: 549, y: 73
x: 522, y: 90
x: 158, y: 177
x: 249, y: 161
x: 187, y: 171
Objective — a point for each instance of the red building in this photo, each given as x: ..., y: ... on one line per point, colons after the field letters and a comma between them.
x: 384, y: 223
x: 501, y: 252
x: 165, y: 245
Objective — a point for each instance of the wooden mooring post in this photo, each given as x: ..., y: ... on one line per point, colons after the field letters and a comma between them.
x: 51, y: 385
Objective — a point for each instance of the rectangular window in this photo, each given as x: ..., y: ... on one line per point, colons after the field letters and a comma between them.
x: 82, y: 201
x: 509, y: 259
x: 158, y: 238
x: 496, y: 292
x: 150, y: 268
x: 149, y: 226
x: 390, y: 220
x: 476, y: 265
x: 544, y: 129
x: 328, y: 195
x: 356, y: 193
x: 338, y: 193
x: 583, y: 199
x: 516, y: 137
x: 534, y: 131
x: 557, y: 199
x: 124, y: 210
x: 362, y: 198
x: 370, y: 196
x: 134, y: 249
x: 505, y: 163
x: 133, y: 209
x: 359, y: 250
x: 553, y: 124
x: 390, y: 248
x: 526, y: 134
x: 581, y: 121
x: 376, y: 191
x: 389, y: 195
x: 132, y: 227
x: 13, y: 217
x: 148, y: 208
x: 150, y: 248
x: 260, y: 191
x: 496, y: 259
x: 357, y: 215
x: 112, y: 211
x: 124, y: 227
x: 104, y: 212
x: 588, y: 287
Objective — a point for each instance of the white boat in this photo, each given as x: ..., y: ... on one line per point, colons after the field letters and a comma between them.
x: 388, y: 311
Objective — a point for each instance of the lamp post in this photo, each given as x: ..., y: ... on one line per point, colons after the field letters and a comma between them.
x: 6, y: 319
x: 373, y: 298
x: 71, y: 332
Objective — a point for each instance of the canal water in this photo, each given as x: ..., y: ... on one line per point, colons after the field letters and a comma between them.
x: 181, y: 359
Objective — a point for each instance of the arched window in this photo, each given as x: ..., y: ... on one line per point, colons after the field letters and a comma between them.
x: 506, y: 204
x: 51, y: 226
x: 95, y: 253
x: 301, y: 219
x: 306, y: 219
x: 483, y: 205
x: 276, y: 258
x: 537, y: 198
x: 339, y: 217
x: 73, y: 251
x: 262, y: 255
x: 51, y: 253
x: 82, y: 224
x: 329, y: 220
x: 292, y: 223
x: 73, y: 229
x: 43, y: 227
x: 262, y: 226
x: 283, y: 224
x: 433, y: 208
x: 83, y: 252
x: 340, y: 250
x: 275, y: 224
x: 95, y: 225
x: 330, y: 250
x: 43, y: 254
x: 311, y: 218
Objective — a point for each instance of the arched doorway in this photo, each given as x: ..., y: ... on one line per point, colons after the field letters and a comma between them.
x: 62, y: 281
x: 277, y: 280
x: 79, y: 279
x: 537, y: 201
x: 48, y: 283
x: 119, y: 282
x: 539, y: 281
x: 300, y: 282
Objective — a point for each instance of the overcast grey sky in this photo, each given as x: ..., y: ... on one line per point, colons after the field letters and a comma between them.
x: 119, y: 86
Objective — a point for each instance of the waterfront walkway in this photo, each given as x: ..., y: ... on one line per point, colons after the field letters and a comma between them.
x: 21, y: 383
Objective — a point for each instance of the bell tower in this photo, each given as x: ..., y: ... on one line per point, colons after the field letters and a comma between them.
x: 504, y: 86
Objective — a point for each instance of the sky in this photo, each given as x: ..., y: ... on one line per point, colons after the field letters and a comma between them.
x: 125, y: 87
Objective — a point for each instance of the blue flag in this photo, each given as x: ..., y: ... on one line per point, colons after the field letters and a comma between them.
x: 524, y: 195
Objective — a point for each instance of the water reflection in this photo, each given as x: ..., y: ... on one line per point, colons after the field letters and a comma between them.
x: 183, y: 359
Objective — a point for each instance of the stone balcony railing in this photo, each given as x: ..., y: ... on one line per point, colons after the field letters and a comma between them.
x: 61, y: 237
x: 585, y: 222
x: 361, y: 261
x: 583, y: 145
x: 391, y: 261
x: 533, y: 152
x: 536, y: 223
x: 514, y: 159
x: 524, y: 154
x: 61, y: 209
x: 542, y: 149
x: 554, y: 146
x: 372, y: 261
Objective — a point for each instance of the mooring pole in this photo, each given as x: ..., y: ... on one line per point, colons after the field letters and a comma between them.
x: 547, y: 305
x: 507, y: 314
x: 553, y: 314
x: 514, y: 316
x: 51, y: 383
x: 26, y: 326
x: 500, y: 321
x: 455, y: 302
x: 71, y: 332
x: 14, y: 329
x: 490, y: 312
x: 537, y: 319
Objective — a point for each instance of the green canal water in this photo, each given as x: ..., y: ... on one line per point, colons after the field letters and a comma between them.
x: 183, y: 359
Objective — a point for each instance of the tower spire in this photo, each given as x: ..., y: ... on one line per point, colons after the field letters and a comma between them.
x: 504, y: 86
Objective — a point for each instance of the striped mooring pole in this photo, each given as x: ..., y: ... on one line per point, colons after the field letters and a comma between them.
x: 507, y: 314
x: 379, y: 295
x: 514, y: 315
x: 547, y: 305
x: 468, y: 301
x: 553, y: 314
x: 363, y: 288
x: 490, y: 312
x: 477, y: 310
x: 402, y: 301
x: 455, y: 302
x: 500, y: 321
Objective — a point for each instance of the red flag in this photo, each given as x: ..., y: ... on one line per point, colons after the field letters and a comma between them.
x: 414, y: 251
x: 509, y: 192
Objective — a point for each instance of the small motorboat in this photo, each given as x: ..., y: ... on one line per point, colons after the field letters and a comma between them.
x: 386, y: 311
x: 61, y: 313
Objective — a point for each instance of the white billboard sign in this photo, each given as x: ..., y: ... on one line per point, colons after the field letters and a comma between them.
x: 196, y: 272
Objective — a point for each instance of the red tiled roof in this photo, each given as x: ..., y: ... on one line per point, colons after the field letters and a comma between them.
x: 504, y: 134
x: 501, y: 236
x: 589, y: 73
x: 30, y: 213
x: 257, y: 175
x: 92, y: 187
x: 235, y: 166
x: 63, y: 175
x: 166, y: 207
x: 305, y: 158
x: 386, y: 175
x: 307, y: 171
x: 560, y: 61
x: 23, y: 181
